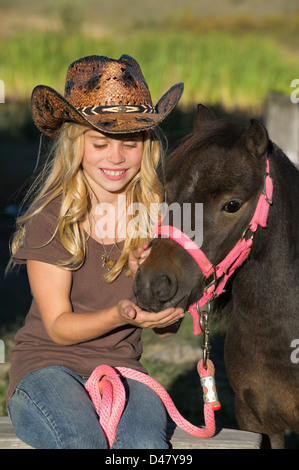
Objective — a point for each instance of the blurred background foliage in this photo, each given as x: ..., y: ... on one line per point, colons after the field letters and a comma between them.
x: 229, y: 53
x: 232, y: 58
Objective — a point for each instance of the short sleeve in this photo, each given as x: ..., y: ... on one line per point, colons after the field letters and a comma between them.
x: 40, y: 243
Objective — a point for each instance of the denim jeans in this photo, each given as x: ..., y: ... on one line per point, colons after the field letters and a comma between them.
x: 50, y: 409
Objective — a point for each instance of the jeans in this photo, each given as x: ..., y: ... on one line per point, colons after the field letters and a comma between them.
x: 50, y: 409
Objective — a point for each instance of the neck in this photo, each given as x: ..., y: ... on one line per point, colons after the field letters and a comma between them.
x: 107, y: 220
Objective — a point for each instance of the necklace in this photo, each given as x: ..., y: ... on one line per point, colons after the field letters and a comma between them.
x: 107, y: 262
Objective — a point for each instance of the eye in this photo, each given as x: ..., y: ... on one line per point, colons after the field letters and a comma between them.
x: 130, y: 145
x: 233, y: 206
x: 99, y: 146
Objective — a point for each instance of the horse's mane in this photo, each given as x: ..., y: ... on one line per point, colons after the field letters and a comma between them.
x: 218, y: 132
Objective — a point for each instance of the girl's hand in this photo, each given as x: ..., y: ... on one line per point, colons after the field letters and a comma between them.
x: 136, y: 258
x: 148, y: 320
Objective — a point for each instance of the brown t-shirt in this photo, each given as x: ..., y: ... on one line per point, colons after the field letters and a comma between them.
x: 34, y: 348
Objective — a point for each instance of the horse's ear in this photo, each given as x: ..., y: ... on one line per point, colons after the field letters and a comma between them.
x: 256, y: 138
x: 203, y: 114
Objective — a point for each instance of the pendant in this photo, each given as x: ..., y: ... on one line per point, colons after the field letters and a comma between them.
x: 109, y: 263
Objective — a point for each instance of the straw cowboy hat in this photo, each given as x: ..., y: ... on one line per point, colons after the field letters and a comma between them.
x: 109, y: 95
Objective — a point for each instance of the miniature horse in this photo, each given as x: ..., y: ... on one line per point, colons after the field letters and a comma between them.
x: 223, y: 167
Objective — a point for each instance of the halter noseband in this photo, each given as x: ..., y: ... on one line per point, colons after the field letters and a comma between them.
x: 216, y: 277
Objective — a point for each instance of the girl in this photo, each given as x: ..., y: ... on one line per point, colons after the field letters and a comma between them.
x: 105, y: 151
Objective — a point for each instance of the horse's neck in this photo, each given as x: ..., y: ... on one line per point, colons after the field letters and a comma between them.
x: 285, y: 208
x: 276, y: 247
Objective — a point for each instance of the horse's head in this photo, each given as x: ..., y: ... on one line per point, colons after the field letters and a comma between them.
x: 221, y: 166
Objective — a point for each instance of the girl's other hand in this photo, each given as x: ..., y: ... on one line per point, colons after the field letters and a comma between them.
x: 137, y: 257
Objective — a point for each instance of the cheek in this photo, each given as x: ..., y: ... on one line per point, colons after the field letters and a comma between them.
x: 89, y: 158
x: 137, y: 159
x: 134, y: 163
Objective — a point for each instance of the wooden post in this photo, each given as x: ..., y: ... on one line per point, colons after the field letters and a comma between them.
x: 282, y: 122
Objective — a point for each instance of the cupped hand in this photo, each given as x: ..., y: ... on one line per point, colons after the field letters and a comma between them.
x: 131, y: 313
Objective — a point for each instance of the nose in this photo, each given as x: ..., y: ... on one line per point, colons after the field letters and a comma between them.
x: 152, y: 289
x: 164, y: 287
x: 116, y: 155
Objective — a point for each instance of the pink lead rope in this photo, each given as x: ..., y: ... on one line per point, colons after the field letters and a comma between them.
x: 108, y: 396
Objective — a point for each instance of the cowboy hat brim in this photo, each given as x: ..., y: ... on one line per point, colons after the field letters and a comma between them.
x: 50, y: 110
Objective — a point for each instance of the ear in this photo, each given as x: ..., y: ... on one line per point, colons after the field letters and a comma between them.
x: 203, y: 114
x: 256, y: 138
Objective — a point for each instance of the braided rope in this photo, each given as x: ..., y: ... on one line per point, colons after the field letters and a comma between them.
x: 108, y: 396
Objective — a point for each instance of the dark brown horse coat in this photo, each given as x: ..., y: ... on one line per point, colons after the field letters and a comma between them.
x: 223, y: 166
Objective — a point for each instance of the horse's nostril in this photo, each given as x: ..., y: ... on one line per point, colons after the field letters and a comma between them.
x: 164, y: 287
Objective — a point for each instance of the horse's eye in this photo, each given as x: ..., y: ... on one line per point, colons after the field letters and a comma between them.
x: 232, y: 206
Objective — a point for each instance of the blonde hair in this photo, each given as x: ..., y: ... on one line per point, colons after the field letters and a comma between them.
x: 63, y: 176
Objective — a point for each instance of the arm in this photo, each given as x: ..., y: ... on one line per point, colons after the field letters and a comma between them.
x: 51, y: 286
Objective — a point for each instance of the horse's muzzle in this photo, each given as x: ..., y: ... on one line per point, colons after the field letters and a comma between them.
x: 154, y: 291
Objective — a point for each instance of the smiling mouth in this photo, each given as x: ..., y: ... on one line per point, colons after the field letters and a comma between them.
x: 113, y: 172
x: 114, y: 175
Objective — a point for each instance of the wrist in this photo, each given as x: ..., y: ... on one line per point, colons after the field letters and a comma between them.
x: 116, y: 316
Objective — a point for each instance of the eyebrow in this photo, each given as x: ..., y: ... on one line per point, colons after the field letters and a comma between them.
x: 96, y: 136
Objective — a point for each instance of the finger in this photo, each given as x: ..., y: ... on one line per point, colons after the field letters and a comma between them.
x: 128, y: 309
x: 145, y: 253
x: 130, y: 312
x: 137, y: 253
x: 160, y: 320
x: 170, y: 320
x: 173, y: 317
x: 169, y: 312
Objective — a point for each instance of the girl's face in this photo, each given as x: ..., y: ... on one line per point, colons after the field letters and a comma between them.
x: 110, y: 161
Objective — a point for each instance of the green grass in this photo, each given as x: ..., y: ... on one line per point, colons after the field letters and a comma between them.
x: 216, y: 66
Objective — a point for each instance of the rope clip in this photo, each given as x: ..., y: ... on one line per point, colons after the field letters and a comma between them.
x: 204, y: 319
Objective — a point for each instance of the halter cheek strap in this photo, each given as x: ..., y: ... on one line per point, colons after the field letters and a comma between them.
x: 235, y: 258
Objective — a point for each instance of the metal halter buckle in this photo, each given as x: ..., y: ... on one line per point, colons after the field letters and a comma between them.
x: 208, y: 283
x: 204, y: 319
x: 247, y: 229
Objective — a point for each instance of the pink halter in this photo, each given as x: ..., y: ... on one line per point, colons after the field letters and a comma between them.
x: 231, y: 262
